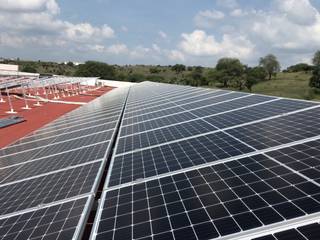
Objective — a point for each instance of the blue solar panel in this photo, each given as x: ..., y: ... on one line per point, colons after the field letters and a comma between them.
x: 171, y: 162
x: 206, y: 168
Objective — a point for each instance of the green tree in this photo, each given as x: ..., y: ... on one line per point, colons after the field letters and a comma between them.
x: 96, y: 69
x: 254, y: 75
x: 189, y: 68
x: 197, y: 78
x: 228, y: 69
x: 29, y: 68
x: 136, y: 77
x: 155, y: 78
x: 270, y: 65
x: 154, y: 70
x: 300, y: 67
x: 178, y: 68
x: 70, y: 64
x: 316, y: 58
x: 315, y: 79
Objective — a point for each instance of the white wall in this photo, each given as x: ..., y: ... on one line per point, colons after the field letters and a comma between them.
x: 9, y: 67
x: 112, y: 83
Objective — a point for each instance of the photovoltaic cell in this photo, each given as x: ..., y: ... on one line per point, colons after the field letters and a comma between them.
x: 306, y: 232
x: 218, y: 99
x: 167, y: 158
x: 303, y: 158
x: 55, y: 222
x: 152, y: 115
x: 257, y: 112
x: 49, y: 188
x: 156, y: 123
x: 207, y: 203
x: 163, y: 135
x: 204, y: 111
x: 281, y: 130
x: 57, y: 148
x: 60, y: 138
x: 53, y: 163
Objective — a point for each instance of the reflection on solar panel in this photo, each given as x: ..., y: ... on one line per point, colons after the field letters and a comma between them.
x: 180, y: 163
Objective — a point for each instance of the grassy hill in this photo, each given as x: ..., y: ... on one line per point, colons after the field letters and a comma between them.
x: 291, y: 85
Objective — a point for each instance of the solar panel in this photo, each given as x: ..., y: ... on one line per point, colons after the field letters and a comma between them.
x: 208, y: 168
x: 56, y: 186
x: 5, y: 122
x: 214, y: 201
x: 176, y: 162
x: 304, y: 232
x: 53, y: 163
x: 59, y: 221
x: 171, y: 157
x: 48, y: 179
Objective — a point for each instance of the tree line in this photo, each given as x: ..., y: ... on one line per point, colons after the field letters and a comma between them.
x: 228, y: 72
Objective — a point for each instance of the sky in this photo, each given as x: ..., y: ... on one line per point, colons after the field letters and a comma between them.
x: 191, y: 32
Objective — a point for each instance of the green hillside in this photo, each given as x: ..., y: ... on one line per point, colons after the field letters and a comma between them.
x: 292, y: 85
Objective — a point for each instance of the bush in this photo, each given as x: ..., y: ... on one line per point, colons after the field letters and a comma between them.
x: 300, y: 67
x: 315, y: 79
x: 136, y: 77
x: 96, y: 69
x: 29, y: 68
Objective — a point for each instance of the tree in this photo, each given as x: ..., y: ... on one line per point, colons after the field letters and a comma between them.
x: 197, y: 78
x: 315, y: 79
x: 228, y: 69
x: 300, y: 67
x: 154, y: 70
x: 96, y: 69
x: 29, y: 68
x: 178, y: 68
x: 316, y: 58
x: 270, y: 64
x: 136, y: 77
x: 70, y: 64
x: 254, y: 75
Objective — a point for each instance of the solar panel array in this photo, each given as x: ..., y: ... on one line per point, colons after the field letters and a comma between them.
x: 195, y: 163
x: 48, y: 179
x: 186, y: 163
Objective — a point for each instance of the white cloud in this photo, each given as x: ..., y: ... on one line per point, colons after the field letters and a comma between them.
x: 37, y: 23
x: 238, y: 13
x: 298, y: 11
x: 86, y: 32
x: 284, y: 28
x: 118, y: 49
x: 176, y: 55
x: 207, y: 18
x: 198, y: 43
x: 29, y: 5
x: 162, y: 34
x: 97, y: 48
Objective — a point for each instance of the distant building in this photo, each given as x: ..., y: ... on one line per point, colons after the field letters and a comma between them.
x: 13, y: 70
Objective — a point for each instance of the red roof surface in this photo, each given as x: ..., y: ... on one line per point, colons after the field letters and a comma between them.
x: 39, y: 116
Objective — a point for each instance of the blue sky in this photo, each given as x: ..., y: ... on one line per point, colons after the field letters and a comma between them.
x: 192, y: 32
